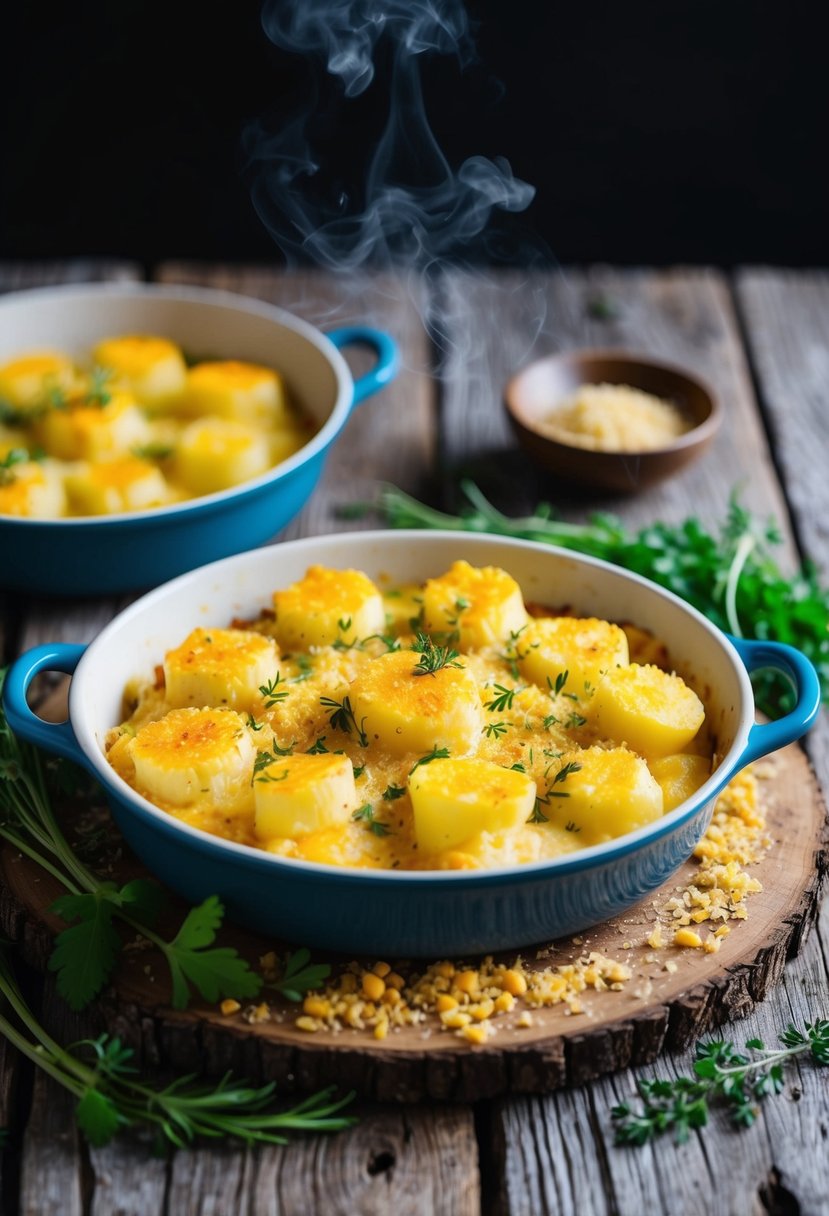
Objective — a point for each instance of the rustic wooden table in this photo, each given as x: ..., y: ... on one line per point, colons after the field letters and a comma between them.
x: 761, y: 338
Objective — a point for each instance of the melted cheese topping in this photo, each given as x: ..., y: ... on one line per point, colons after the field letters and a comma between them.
x: 374, y: 704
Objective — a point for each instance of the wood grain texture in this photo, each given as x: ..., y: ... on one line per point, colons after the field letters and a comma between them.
x: 497, y: 323
x: 657, y: 1010
x: 556, y: 1154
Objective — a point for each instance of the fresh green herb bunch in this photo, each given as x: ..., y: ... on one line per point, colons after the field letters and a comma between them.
x: 111, y: 1095
x: 86, y: 952
x: 731, y: 576
x: 721, y: 1073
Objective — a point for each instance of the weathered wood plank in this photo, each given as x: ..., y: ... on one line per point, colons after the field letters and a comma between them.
x: 52, y: 1163
x: 412, y: 1162
x: 555, y: 1154
x: 497, y: 323
x: 9, y: 1119
x: 129, y: 1178
x: 392, y: 436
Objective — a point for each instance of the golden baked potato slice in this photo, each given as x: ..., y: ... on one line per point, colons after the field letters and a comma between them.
x: 150, y: 367
x: 408, y: 711
x: 88, y: 431
x: 653, y: 711
x: 453, y: 800
x: 602, y: 793
x: 26, y: 382
x: 220, y: 667
x: 215, y: 453
x: 193, y: 754
x: 680, y: 776
x: 483, y: 605
x: 327, y: 607
x: 584, y: 649
x: 231, y: 389
x: 297, y: 795
x: 122, y: 484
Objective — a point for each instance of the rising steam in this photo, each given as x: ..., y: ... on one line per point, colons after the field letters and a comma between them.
x: 413, y: 209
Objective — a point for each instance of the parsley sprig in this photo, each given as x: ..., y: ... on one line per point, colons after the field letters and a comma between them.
x: 721, y: 1073
x: 111, y: 1095
x: 299, y: 975
x: 86, y: 951
x: 730, y: 575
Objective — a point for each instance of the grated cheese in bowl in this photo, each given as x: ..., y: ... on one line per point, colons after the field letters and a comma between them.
x: 615, y: 418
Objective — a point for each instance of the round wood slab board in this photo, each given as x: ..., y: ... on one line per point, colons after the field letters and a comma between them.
x: 656, y: 1010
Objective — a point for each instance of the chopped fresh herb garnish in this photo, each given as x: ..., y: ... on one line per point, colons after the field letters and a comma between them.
x: 392, y: 792
x: 318, y: 748
x: 538, y: 815
x: 503, y: 700
x: 272, y: 693
x: 496, y: 729
x: 437, y: 753
x: 253, y: 724
x: 13, y: 456
x: 267, y: 778
x: 366, y: 815
x: 574, y: 720
x: 98, y: 393
x: 550, y: 720
x: 358, y: 772
x: 391, y: 643
x: 518, y: 767
x: 571, y: 827
x: 561, y: 776
x: 306, y: 669
x: 341, y: 717
x: 558, y: 687
x: 433, y: 657
x: 153, y: 451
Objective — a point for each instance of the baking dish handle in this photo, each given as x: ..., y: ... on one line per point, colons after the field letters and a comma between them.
x: 58, y: 737
x: 767, y: 737
x: 384, y: 346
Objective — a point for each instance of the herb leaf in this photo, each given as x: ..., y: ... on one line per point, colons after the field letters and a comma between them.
x: 298, y: 977
x: 214, y: 973
x: 433, y: 658
x: 84, y: 954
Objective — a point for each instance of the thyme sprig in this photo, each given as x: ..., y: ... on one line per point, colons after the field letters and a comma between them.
x: 723, y: 1074
x: 433, y: 658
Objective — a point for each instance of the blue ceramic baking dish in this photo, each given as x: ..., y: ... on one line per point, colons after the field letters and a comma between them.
x: 422, y: 913
x: 144, y: 548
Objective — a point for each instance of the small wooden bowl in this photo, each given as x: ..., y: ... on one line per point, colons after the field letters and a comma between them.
x: 532, y: 393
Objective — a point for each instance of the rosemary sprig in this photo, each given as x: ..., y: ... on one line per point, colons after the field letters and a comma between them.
x: 111, y: 1095
x: 433, y: 658
x: 721, y: 1073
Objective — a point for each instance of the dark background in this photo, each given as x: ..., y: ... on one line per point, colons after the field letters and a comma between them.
x: 683, y: 130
